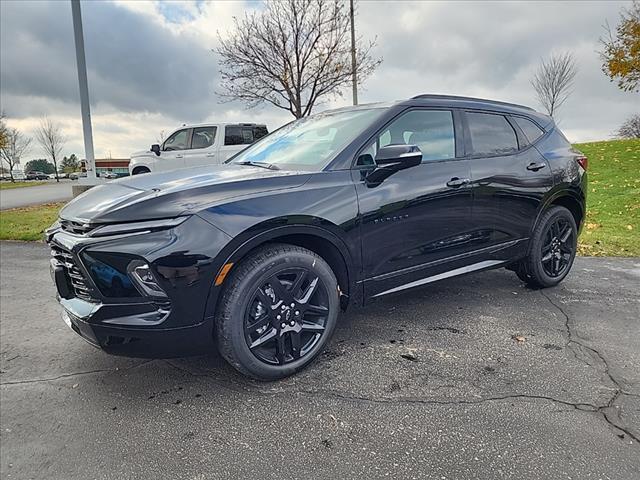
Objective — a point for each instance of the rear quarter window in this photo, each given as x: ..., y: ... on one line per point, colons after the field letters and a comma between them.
x: 259, y: 131
x: 233, y: 135
x: 243, y: 135
x: 530, y: 129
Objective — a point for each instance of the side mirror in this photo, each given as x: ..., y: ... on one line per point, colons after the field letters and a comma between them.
x: 155, y: 148
x: 392, y: 159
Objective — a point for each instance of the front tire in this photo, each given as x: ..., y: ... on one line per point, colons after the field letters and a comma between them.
x: 277, y: 312
x: 552, y: 249
x: 140, y: 170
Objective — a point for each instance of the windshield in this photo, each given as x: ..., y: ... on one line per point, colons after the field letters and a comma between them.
x: 309, y: 143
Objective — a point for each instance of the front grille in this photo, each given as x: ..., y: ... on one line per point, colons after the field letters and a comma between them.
x: 79, y: 285
x: 76, y: 228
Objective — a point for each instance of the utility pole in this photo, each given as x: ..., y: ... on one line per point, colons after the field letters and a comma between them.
x: 84, y: 91
x: 353, y: 55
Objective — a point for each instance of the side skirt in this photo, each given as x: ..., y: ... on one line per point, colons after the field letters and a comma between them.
x: 451, y: 273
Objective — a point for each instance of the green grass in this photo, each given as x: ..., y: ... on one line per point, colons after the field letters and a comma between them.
x: 613, y: 201
x: 6, y: 185
x: 28, y: 223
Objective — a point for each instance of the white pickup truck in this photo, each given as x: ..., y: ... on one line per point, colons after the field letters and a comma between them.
x: 193, y: 145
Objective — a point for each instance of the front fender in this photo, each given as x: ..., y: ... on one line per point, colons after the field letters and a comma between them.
x: 258, y: 235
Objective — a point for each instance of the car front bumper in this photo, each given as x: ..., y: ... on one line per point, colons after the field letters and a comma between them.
x: 184, y: 261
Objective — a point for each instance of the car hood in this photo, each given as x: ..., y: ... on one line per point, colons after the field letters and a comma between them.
x: 173, y: 193
x: 142, y: 153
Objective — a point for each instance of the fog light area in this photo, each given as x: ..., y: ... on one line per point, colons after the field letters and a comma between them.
x: 145, y: 280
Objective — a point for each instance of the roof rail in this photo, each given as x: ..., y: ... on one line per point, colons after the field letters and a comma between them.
x: 471, y: 99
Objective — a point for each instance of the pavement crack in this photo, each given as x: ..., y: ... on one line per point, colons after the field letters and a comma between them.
x: 51, y: 379
x: 585, y: 407
x: 617, y: 391
x: 73, y: 374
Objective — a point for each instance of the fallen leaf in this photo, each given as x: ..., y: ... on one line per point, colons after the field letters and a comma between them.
x: 519, y: 338
x: 410, y: 355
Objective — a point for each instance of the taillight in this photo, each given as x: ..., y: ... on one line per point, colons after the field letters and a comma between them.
x: 583, y: 162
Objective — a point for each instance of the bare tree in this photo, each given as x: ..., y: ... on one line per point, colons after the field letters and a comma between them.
x: 630, y: 128
x: 14, y: 146
x: 51, y: 140
x: 161, y: 137
x: 553, y: 81
x: 4, y: 131
x: 292, y: 54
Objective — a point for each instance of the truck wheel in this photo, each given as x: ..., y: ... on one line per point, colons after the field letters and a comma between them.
x: 277, y: 312
x: 552, y: 249
x: 139, y: 170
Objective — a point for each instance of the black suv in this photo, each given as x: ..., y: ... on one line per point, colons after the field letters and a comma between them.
x: 260, y: 255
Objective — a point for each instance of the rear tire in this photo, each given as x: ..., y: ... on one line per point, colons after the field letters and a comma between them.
x: 552, y: 249
x: 277, y: 311
x: 140, y: 170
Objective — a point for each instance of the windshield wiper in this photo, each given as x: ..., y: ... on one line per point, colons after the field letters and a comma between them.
x: 270, y: 166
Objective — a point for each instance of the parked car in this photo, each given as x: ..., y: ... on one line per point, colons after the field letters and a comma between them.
x: 195, y: 145
x: 18, y: 174
x: 34, y: 175
x: 109, y: 175
x: 260, y: 255
x: 77, y: 175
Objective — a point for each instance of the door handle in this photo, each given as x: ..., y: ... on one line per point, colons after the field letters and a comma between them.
x: 456, y: 182
x: 211, y: 155
x: 534, y: 167
x: 179, y: 156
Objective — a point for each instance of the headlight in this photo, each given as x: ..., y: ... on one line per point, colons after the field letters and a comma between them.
x: 136, y: 227
x: 48, y: 233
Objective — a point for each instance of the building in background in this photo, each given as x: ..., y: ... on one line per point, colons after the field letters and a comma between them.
x: 119, y: 166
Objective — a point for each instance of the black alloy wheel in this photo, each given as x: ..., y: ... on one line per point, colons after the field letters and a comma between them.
x: 558, y: 248
x: 286, y: 316
x: 552, y: 249
x: 277, y: 311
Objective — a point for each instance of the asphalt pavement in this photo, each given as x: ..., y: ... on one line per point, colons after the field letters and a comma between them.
x: 25, y: 196
x: 474, y: 377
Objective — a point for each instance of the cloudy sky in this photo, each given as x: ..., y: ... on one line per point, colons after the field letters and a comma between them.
x: 151, y: 68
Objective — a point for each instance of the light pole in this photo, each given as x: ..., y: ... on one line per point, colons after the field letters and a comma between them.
x: 84, y: 91
x: 353, y: 55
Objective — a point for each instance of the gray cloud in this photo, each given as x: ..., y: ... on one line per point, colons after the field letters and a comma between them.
x: 491, y: 49
x: 134, y: 64
x: 151, y: 68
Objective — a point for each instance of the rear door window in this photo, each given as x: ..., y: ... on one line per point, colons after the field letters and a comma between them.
x: 203, y: 137
x: 530, y: 129
x: 491, y: 134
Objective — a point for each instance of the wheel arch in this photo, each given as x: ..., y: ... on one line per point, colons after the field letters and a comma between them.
x: 568, y: 199
x: 573, y: 205
x: 140, y: 166
x: 319, y: 240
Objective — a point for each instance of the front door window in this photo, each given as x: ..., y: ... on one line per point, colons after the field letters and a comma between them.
x: 177, y: 141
